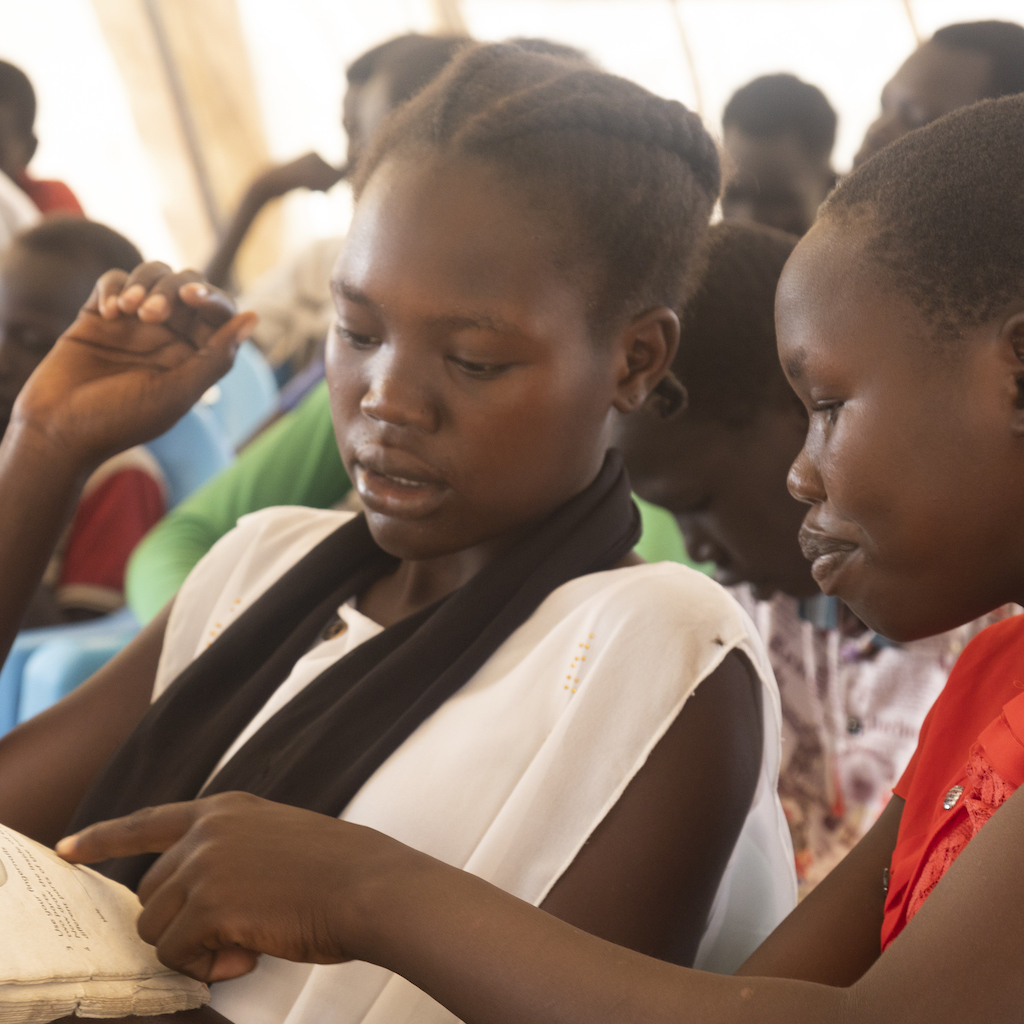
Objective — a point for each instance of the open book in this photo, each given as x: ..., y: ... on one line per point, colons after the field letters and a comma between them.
x: 68, y: 943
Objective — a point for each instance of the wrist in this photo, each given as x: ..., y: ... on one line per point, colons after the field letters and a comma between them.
x: 378, y: 893
x: 30, y: 443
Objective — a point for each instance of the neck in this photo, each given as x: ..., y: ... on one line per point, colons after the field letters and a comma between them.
x: 417, y: 583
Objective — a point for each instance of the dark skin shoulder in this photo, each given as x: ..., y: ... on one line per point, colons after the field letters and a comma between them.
x: 647, y: 876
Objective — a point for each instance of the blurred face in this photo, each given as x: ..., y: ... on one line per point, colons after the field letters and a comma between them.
x: 727, y: 489
x: 469, y: 399
x: 39, y: 299
x: 934, y: 80
x: 774, y: 182
x: 913, y: 465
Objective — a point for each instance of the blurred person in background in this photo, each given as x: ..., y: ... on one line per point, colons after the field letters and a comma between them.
x: 293, y: 299
x: 778, y: 134
x: 961, y: 64
x: 46, y: 275
x: 18, y: 144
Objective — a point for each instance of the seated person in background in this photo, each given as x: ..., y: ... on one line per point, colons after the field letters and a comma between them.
x: 293, y: 300
x: 479, y: 664
x: 852, y: 704
x: 46, y: 275
x: 778, y: 133
x: 18, y: 144
x: 960, y: 65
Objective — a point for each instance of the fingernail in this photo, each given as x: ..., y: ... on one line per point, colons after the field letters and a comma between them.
x: 155, y: 305
x: 110, y: 309
x: 200, y: 291
x: 65, y: 846
x: 132, y: 296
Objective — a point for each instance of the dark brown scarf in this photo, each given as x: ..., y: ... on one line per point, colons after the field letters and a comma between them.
x: 318, y: 750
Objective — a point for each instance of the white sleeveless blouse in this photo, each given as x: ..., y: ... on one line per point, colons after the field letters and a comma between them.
x: 513, y: 773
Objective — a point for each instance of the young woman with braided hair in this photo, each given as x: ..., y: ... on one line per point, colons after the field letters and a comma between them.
x: 479, y: 666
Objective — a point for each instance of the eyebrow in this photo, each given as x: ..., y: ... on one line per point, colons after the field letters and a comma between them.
x: 450, y: 322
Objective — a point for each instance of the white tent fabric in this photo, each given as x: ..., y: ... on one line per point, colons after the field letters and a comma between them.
x: 90, y: 137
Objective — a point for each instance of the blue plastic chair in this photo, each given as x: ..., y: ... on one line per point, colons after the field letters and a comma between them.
x: 193, y: 450
x: 65, y: 656
x: 245, y: 396
x: 46, y: 664
x: 72, y: 653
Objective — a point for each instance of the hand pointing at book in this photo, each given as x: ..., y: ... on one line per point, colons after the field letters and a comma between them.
x: 240, y: 876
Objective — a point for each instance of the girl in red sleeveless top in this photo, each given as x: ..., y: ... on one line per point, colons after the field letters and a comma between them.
x: 901, y: 327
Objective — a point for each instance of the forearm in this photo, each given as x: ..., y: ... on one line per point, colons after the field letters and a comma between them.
x: 39, y: 488
x: 218, y: 269
x: 492, y: 959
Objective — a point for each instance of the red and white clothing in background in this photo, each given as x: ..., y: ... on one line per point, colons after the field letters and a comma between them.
x: 851, y: 715
x: 50, y: 196
x: 120, y: 503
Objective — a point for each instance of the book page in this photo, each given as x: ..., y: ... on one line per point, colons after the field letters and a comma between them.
x: 66, y: 925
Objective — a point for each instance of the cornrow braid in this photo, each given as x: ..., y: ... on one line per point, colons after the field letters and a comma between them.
x: 628, y: 179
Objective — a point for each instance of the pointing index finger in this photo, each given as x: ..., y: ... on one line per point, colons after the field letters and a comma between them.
x: 150, y: 830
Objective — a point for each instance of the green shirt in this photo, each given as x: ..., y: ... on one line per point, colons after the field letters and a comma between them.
x: 295, y: 462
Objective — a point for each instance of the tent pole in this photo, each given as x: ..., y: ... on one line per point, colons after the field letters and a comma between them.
x: 184, y: 112
x: 688, y: 53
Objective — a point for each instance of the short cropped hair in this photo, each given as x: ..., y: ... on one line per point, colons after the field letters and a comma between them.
x: 775, y: 105
x: 16, y: 92
x: 410, y: 62
x: 92, y: 246
x: 946, y: 213
x: 727, y: 356
x: 1001, y: 41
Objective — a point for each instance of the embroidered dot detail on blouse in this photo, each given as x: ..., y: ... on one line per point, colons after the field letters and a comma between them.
x: 575, y: 667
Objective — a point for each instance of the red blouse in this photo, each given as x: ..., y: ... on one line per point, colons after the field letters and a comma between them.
x: 969, y: 759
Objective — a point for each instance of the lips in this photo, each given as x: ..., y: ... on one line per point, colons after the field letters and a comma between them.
x: 394, y: 484
x: 826, y: 554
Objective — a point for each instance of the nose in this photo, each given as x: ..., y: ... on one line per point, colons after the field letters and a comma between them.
x: 398, y: 393
x: 804, y: 481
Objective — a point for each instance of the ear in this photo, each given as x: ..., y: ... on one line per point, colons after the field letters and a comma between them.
x: 1011, y: 342
x: 646, y: 348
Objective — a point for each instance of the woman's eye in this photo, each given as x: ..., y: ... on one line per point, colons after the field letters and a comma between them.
x: 356, y: 340
x: 832, y: 413
x: 480, y: 371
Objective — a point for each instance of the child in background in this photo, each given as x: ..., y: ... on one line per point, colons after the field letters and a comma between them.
x: 778, y: 134
x: 293, y: 300
x: 18, y: 144
x: 960, y: 65
x: 45, y: 276
x: 852, y: 703
x: 901, y: 327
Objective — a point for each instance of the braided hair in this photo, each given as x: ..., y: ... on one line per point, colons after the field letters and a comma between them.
x: 945, y: 211
x: 629, y: 178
